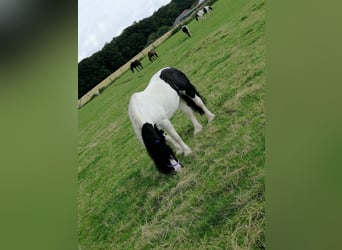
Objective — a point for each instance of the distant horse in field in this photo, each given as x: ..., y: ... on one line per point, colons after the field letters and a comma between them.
x: 150, y: 110
x: 136, y: 65
x: 208, y: 9
x: 186, y: 30
x: 200, y: 14
x: 152, y: 54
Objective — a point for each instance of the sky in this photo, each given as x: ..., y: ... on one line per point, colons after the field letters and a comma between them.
x: 101, y: 20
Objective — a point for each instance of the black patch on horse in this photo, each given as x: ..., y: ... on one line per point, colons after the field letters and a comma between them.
x: 182, y: 85
x: 157, y: 148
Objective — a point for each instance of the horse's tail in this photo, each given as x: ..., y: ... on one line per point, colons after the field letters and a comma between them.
x: 182, y: 85
x: 189, y: 101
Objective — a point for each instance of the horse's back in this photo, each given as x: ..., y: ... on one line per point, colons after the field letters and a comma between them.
x: 159, y: 90
x: 158, y: 101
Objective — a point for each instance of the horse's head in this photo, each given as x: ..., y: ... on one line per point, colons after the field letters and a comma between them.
x: 155, y: 143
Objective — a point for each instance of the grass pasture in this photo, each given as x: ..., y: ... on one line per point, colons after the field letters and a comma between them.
x: 217, y: 201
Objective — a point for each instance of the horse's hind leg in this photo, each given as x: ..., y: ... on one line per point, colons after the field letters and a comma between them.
x: 166, y: 124
x: 207, y: 112
x: 188, y: 111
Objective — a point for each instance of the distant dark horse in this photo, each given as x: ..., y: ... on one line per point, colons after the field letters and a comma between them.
x: 136, y: 65
x: 186, y: 30
x: 152, y: 54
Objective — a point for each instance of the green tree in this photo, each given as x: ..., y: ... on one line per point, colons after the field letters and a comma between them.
x: 131, y: 41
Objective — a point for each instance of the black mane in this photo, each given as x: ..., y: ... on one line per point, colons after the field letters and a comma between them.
x: 157, y: 148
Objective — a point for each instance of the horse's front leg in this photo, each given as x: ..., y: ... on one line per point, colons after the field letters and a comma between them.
x: 178, y: 148
x: 166, y: 124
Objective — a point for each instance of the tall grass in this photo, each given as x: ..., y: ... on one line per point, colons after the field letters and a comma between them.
x: 217, y: 201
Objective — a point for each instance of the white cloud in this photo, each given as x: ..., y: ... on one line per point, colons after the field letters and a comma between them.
x: 100, y: 21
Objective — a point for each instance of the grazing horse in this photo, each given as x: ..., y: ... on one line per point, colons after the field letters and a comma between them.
x: 186, y: 30
x: 202, y: 12
x: 150, y: 110
x: 208, y: 9
x: 136, y: 65
x: 152, y: 54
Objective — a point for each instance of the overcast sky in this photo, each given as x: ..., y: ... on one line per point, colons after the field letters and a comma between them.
x: 101, y: 20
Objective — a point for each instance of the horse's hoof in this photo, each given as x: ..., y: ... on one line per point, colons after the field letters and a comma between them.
x: 197, y: 130
x: 178, y: 152
x: 187, y: 152
x: 211, y: 118
x: 177, y: 168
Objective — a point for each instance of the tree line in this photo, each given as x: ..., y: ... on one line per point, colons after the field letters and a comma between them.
x: 130, y: 42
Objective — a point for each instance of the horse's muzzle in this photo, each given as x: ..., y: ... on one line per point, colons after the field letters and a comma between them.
x: 177, y: 167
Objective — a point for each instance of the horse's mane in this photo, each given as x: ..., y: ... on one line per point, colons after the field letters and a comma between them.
x: 159, y: 151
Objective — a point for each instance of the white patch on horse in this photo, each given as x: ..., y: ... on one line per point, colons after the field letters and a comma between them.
x: 201, y: 13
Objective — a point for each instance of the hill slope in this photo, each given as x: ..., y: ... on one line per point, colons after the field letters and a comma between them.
x: 217, y: 201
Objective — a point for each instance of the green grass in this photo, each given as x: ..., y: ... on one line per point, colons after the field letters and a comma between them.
x: 217, y: 201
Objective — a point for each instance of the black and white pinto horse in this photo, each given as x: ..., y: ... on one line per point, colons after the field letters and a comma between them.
x: 152, y: 54
x: 200, y: 14
x: 150, y: 112
x: 136, y: 65
x: 186, y: 30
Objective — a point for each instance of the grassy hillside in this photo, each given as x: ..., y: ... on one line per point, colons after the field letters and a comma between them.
x: 217, y: 201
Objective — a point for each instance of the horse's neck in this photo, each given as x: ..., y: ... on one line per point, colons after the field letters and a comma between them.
x: 136, y: 121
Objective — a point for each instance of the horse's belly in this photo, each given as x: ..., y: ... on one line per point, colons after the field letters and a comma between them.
x: 159, y: 101
x: 165, y: 107
x: 159, y: 107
